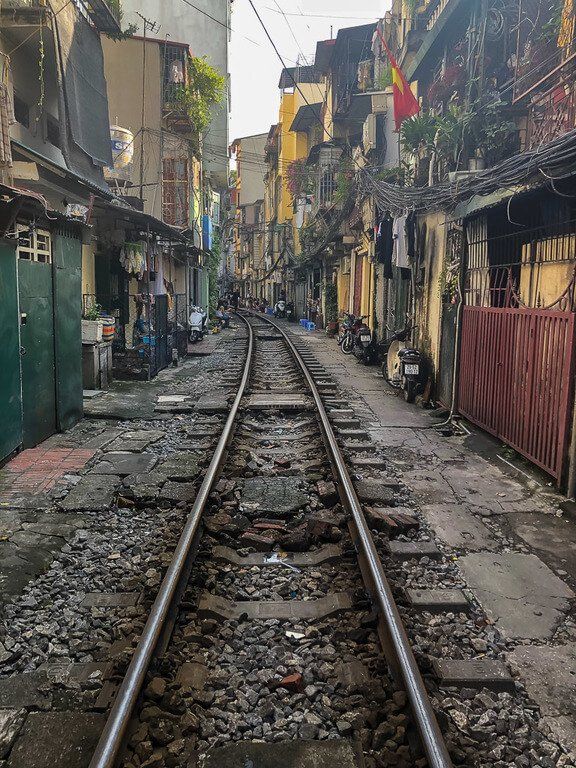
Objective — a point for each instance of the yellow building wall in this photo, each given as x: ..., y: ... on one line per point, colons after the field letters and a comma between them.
x: 89, y: 268
x: 542, y: 284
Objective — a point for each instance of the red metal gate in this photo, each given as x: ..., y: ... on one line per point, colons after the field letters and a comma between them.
x: 516, y: 371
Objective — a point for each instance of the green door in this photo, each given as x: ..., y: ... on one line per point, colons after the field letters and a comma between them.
x: 10, y: 395
x: 37, y: 341
x: 67, y: 254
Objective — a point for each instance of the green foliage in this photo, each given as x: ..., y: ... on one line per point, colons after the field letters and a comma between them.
x: 118, y: 13
x: 491, y: 132
x: 384, y: 80
x: 344, y: 181
x: 418, y: 133
x: 213, y: 268
x: 93, y: 312
x: 206, y: 87
x: 299, y: 180
x: 331, y: 302
x: 451, y: 133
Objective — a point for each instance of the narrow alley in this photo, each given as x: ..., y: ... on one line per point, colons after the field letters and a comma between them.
x: 287, y: 384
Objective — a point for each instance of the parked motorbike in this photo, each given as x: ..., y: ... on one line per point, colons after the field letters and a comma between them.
x: 348, y: 330
x: 403, y: 366
x: 290, y: 312
x: 280, y: 309
x: 363, y: 345
x: 197, y: 323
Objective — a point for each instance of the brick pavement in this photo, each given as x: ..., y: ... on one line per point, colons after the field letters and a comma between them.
x: 37, y: 470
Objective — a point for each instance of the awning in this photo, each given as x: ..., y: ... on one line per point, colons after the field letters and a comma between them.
x: 306, y: 117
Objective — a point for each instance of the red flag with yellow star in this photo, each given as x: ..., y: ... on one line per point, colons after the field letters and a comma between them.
x: 405, y: 103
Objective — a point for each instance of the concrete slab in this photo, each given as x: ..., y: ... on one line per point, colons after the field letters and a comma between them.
x: 212, y: 606
x: 458, y: 528
x: 554, y: 537
x: 184, y: 466
x: 437, y: 600
x: 135, y: 440
x: 278, y: 496
x: 91, y: 494
x: 378, y: 491
x: 177, y: 492
x: 288, y: 754
x: 112, y: 600
x: 50, y: 739
x: 29, y: 690
x: 331, y: 553
x: 406, y: 550
x: 11, y: 722
x: 484, y: 673
x: 549, y: 674
x: 523, y: 596
x: 124, y: 464
x: 283, y: 401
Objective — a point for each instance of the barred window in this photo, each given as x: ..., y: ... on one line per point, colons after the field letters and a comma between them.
x: 34, y: 244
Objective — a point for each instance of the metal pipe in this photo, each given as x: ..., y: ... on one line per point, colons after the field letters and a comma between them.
x: 111, y: 739
x: 431, y: 735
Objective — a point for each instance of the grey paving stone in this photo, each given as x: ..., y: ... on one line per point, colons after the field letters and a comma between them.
x: 279, y: 496
x: 176, y: 492
x: 184, y: 466
x: 523, y: 596
x: 29, y: 690
x: 124, y: 464
x: 484, y: 673
x: 91, y: 494
x: 379, y: 491
x: 218, y: 607
x: 549, y: 674
x: 56, y: 739
x: 459, y: 528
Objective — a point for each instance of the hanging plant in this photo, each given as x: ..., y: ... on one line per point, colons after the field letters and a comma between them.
x: 299, y: 182
x: 206, y: 87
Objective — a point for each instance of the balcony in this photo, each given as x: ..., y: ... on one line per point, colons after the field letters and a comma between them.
x: 106, y: 15
x: 19, y: 13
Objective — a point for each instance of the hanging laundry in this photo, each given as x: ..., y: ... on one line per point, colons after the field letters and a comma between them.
x: 385, y: 246
x: 400, y: 258
x: 133, y: 259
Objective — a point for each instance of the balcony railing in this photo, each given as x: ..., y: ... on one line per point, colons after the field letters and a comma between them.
x: 106, y: 15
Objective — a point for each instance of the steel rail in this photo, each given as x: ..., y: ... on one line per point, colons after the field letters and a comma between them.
x: 426, y: 721
x: 111, y: 738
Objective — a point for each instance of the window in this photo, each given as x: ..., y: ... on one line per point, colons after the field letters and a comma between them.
x: 327, y: 186
x: 21, y: 112
x: 34, y: 244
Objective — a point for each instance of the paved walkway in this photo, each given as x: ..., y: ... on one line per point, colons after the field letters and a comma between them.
x: 503, y: 524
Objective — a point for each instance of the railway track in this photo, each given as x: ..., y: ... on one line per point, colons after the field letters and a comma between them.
x: 275, y: 637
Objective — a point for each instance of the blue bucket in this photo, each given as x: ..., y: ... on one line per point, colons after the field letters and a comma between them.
x: 310, y: 326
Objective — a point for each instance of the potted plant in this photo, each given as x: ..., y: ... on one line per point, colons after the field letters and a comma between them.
x: 92, y: 324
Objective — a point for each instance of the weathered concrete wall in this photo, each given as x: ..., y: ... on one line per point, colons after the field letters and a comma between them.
x: 251, y: 168
x: 183, y: 24
x: 123, y: 71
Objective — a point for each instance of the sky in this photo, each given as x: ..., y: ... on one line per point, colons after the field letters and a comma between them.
x: 255, y: 68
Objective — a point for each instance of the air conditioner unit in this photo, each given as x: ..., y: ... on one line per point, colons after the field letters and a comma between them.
x: 369, y: 134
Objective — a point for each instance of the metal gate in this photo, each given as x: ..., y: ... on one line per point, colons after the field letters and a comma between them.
x: 516, y: 372
x: 10, y: 387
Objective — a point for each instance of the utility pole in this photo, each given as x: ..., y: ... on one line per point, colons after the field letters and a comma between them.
x: 153, y: 27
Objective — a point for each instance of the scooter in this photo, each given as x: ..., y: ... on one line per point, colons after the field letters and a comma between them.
x: 197, y: 322
x: 290, y: 313
x: 347, y: 336
x: 402, y: 366
x: 280, y: 309
x: 363, y: 344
